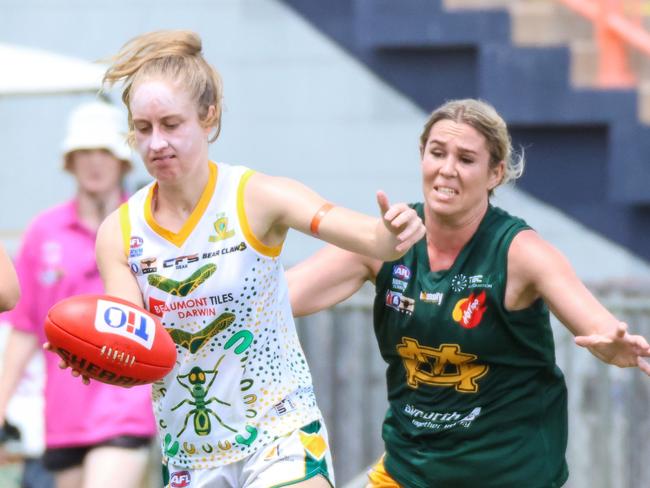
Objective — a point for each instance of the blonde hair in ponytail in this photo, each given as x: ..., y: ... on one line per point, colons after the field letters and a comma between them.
x: 174, y: 55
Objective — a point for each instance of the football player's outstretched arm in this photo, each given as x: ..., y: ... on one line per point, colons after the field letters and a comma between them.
x: 9, y: 288
x: 111, y: 252
x: 328, y: 277
x: 537, y: 269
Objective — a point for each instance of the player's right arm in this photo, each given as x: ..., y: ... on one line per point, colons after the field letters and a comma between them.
x: 9, y: 288
x: 113, y: 263
x: 110, y: 253
x: 18, y: 351
x: 114, y: 269
x: 21, y: 344
x: 327, y: 278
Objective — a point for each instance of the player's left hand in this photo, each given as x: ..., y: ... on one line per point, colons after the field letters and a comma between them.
x: 63, y: 365
x: 402, y: 221
x: 618, y: 348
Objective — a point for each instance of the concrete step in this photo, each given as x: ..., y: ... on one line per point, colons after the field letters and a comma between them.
x: 584, y: 63
x: 475, y: 4
x: 536, y: 23
x: 545, y: 23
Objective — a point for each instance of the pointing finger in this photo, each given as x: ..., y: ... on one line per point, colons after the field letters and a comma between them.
x: 382, y: 201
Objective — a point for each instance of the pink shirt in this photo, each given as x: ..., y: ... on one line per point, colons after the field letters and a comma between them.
x: 57, y: 260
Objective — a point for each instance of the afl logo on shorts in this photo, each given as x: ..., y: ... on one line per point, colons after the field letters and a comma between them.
x: 179, y: 479
x: 116, y: 318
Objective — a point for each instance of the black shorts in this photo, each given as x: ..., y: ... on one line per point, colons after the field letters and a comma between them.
x: 60, y: 458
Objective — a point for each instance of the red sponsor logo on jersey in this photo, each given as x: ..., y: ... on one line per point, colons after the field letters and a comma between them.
x: 191, y: 307
x: 157, y: 307
x: 469, y: 311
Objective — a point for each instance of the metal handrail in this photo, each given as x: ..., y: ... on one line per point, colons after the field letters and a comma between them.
x: 617, y: 24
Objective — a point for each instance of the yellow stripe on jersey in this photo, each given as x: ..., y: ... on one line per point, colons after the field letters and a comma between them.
x: 178, y: 238
x: 271, y: 251
x: 125, y: 224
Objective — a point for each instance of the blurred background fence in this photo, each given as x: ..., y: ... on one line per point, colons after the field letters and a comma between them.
x: 608, y: 406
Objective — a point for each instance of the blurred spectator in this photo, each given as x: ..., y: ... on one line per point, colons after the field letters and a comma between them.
x: 98, y: 435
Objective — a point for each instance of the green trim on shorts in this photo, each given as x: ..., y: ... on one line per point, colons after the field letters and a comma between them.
x: 313, y: 466
x: 311, y: 428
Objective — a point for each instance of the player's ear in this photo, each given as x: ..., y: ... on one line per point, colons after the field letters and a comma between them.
x: 496, y: 174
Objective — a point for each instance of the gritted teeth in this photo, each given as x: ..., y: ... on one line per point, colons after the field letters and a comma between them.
x: 445, y: 190
x: 163, y: 157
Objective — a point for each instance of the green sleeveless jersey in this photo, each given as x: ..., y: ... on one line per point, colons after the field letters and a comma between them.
x: 475, y: 397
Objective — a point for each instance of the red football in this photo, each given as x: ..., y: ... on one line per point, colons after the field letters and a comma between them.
x: 110, y: 340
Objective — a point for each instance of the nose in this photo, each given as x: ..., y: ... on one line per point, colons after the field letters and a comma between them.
x: 158, y: 141
x: 448, y: 167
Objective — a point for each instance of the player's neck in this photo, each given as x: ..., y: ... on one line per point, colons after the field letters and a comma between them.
x: 93, y: 208
x: 174, y: 202
x: 447, y: 235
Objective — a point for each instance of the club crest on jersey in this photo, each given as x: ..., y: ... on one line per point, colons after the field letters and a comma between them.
x: 469, y: 311
x: 399, y: 302
x: 125, y: 321
x: 221, y: 229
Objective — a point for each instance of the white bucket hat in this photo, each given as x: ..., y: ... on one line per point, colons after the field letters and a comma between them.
x: 97, y: 125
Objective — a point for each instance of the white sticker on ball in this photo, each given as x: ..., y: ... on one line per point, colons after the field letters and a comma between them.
x: 125, y: 321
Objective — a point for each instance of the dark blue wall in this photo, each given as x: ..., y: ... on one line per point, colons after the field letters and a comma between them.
x: 587, y: 152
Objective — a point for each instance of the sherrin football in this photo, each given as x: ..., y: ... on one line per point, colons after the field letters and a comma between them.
x: 110, y: 340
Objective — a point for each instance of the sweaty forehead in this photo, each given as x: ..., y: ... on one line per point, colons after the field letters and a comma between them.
x: 155, y: 94
x: 445, y: 131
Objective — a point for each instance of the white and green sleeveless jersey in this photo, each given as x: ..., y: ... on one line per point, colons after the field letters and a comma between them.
x: 241, y: 379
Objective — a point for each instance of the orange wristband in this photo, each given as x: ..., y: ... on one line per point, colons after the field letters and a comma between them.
x: 318, y: 216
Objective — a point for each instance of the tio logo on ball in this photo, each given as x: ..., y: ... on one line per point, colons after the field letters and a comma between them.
x: 116, y: 318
